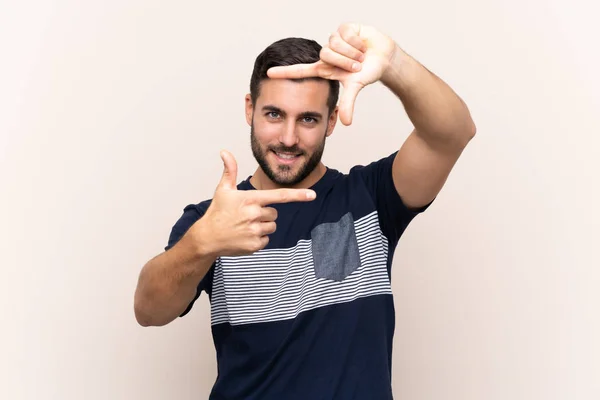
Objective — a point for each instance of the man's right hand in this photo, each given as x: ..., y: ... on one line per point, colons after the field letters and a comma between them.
x: 238, y: 222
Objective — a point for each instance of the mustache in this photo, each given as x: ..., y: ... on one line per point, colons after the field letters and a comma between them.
x: 285, y: 149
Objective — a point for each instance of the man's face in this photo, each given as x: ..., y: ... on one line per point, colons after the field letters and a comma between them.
x: 289, y: 125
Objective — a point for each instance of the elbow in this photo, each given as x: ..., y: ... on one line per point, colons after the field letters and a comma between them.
x: 470, y: 128
x: 145, y: 305
x: 143, y: 313
x: 142, y: 317
x: 467, y: 133
x: 146, y: 315
x: 452, y: 137
x: 470, y: 132
x: 465, y: 129
x: 143, y: 321
x: 146, y: 320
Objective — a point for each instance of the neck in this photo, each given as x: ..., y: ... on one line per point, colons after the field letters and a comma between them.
x: 262, y: 182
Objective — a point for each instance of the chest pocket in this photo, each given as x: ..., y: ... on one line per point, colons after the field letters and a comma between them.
x: 335, y: 249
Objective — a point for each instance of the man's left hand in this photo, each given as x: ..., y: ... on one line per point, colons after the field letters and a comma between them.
x: 356, y: 56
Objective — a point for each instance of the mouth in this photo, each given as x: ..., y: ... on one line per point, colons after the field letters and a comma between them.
x: 286, y: 158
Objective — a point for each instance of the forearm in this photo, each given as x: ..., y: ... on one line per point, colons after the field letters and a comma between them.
x: 167, y: 283
x: 436, y: 111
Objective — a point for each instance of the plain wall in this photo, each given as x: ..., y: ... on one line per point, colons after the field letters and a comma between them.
x: 112, y: 115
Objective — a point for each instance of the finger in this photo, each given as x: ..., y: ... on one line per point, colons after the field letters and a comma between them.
x: 338, y: 60
x: 268, y: 214
x: 351, y: 34
x: 254, y: 244
x: 339, y: 45
x: 274, y: 196
x: 263, y: 241
x: 295, y: 71
x: 267, y: 228
x: 229, y: 178
x: 347, y: 102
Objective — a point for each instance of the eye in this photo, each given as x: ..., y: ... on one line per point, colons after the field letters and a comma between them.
x: 309, y: 120
x: 273, y: 114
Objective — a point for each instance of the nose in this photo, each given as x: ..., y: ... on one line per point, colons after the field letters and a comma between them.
x: 288, y: 136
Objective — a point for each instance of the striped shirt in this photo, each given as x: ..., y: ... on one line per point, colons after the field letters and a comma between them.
x: 311, y: 316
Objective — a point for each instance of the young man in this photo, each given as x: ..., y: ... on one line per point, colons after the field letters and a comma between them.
x: 296, y: 259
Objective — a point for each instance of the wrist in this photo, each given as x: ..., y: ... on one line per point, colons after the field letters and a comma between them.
x: 399, y: 74
x: 201, y: 240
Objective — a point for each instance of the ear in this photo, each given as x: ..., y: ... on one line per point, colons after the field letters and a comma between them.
x: 249, y: 109
x: 332, y: 121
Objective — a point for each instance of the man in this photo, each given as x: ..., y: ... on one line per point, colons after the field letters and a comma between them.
x: 296, y: 259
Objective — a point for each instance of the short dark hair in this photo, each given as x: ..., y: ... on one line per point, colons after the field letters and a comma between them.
x: 290, y: 51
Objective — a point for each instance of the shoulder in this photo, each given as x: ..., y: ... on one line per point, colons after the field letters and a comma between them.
x: 375, y: 167
x: 190, y: 214
x: 372, y: 176
x: 198, y: 208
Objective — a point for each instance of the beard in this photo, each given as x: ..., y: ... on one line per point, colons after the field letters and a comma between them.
x: 284, y: 175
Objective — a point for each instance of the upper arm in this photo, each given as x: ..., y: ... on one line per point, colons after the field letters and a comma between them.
x: 421, y: 169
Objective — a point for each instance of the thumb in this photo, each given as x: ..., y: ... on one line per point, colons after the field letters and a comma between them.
x: 229, y: 178
x: 347, y: 102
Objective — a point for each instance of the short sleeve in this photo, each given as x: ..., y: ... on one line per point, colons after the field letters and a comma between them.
x: 394, y: 216
x: 191, y: 214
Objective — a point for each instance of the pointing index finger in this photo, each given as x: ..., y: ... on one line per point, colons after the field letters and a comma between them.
x: 274, y: 196
x: 295, y: 71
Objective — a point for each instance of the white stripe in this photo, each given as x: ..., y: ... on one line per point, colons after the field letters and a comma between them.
x: 278, y: 284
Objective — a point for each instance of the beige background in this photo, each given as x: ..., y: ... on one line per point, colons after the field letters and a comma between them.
x: 112, y: 115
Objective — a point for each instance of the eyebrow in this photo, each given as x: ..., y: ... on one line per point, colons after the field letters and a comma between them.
x: 310, y: 114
